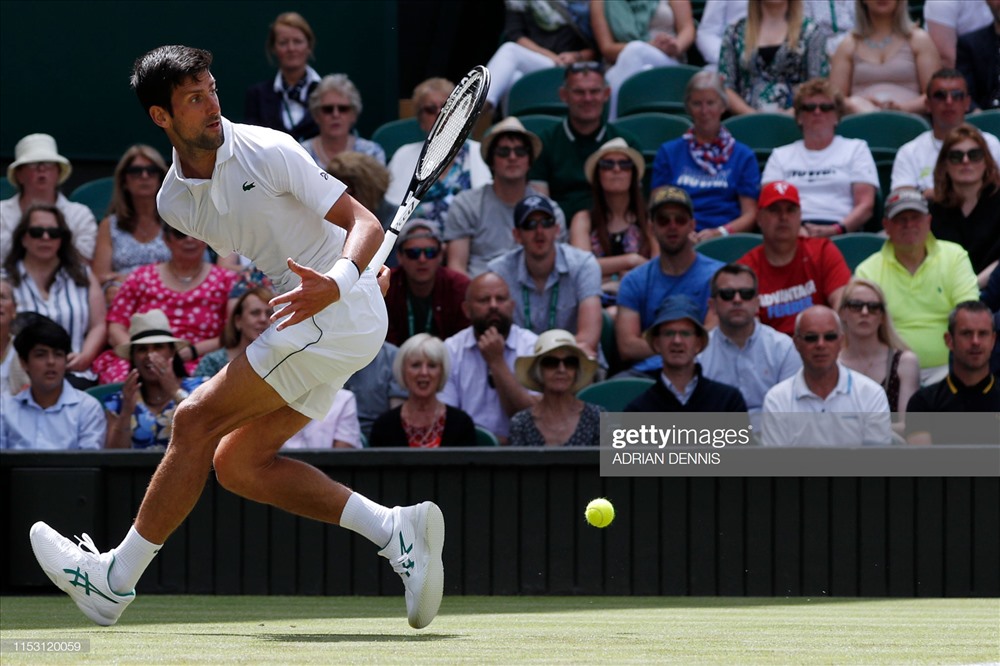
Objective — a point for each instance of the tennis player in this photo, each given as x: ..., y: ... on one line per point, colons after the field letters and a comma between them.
x: 255, y: 191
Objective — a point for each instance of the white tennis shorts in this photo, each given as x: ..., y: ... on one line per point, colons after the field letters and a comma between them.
x: 309, y: 362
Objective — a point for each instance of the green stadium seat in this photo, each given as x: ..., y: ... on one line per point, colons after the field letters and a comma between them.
x: 660, y: 90
x: 104, y: 390
x: 96, y: 195
x: 486, y: 438
x: 615, y: 394
x: 885, y: 131
x: 986, y: 121
x: 537, y: 92
x: 858, y: 246
x: 609, y: 344
x: 396, y: 133
x: 763, y: 132
x: 537, y: 123
x: 651, y: 130
x: 729, y: 248
x: 6, y: 189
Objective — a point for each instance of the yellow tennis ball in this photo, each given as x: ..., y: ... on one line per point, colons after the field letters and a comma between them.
x: 600, y: 512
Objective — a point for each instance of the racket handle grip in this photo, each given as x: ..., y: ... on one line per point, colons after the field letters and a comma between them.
x: 384, y: 250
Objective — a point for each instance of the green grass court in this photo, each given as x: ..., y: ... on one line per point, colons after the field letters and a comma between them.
x: 513, y: 630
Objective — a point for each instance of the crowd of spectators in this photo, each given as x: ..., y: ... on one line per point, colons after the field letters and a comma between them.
x: 544, y: 261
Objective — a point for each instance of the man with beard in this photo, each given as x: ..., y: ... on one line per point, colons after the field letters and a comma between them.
x: 679, y: 270
x: 482, y: 382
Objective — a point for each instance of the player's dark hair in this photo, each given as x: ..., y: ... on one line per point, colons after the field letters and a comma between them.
x: 41, y: 331
x: 157, y: 73
x: 732, y: 269
x: 969, y: 306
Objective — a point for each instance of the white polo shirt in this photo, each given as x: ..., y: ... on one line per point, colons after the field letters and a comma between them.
x: 856, y: 413
x: 915, y: 160
x: 266, y: 200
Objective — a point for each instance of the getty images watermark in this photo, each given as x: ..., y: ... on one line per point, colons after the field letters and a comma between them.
x: 825, y: 444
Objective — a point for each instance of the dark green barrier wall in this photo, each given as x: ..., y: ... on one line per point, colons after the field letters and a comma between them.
x: 515, y: 526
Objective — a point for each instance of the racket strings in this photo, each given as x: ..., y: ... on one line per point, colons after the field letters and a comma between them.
x: 447, y: 133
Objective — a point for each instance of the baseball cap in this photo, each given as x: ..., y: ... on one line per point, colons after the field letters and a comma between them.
x: 669, y: 194
x: 905, y: 199
x: 418, y: 228
x: 677, y: 307
x: 779, y: 190
x: 531, y: 204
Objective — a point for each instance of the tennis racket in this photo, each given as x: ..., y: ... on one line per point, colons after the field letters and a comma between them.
x: 450, y: 130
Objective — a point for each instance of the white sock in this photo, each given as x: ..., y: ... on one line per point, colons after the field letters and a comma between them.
x: 370, y: 520
x: 131, y: 559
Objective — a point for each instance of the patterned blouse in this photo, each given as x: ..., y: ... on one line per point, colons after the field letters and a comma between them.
x: 524, y: 432
x: 151, y: 430
x: 771, y: 86
x: 194, y: 315
x: 127, y: 253
x: 363, y: 146
x: 626, y: 242
x: 434, y: 205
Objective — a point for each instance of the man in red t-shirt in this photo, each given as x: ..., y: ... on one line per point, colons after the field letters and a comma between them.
x: 795, y: 272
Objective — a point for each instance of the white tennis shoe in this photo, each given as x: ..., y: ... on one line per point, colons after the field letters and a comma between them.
x: 81, y: 571
x: 414, y: 551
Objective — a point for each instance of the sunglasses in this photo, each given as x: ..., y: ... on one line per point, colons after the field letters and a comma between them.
x: 328, y: 109
x: 858, y: 306
x: 505, y: 151
x: 585, y: 66
x: 430, y: 110
x: 664, y: 220
x: 415, y: 252
x: 813, y: 338
x: 684, y: 333
x: 942, y: 95
x: 730, y: 294
x: 142, y: 171
x: 532, y: 224
x: 825, y: 107
x: 55, y: 233
x: 609, y: 165
x: 553, y: 362
x: 958, y: 156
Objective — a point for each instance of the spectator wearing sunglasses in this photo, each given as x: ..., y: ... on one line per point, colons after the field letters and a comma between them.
x: 553, y: 285
x: 947, y: 104
x: 50, y: 278
x: 742, y: 351
x: 335, y: 105
x: 923, y: 279
x: 616, y: 227
x: 480, y: 221
x: 719, y: 173
x: 825, y: 403
x: 978, y: 58
x: 835, y: 176
x: 966, y: 204
x: 795, y: 271
x: 873, y: 348
x: 678, y: 270
x: 559, y: 172
x: 678, y: 336
x: 37, y: 172
x: 558, y: 369
x: 132, y: 233
x: 423, y: 296
x: 466, y: 171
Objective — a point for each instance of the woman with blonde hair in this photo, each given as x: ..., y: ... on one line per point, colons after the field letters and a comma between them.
x: 966, y: 205
x: 765, y: 56
x: 131, y: 235
x: 872, y: 346
x: 886, y: 62
x: 248, y: 318
x: 282, y: 103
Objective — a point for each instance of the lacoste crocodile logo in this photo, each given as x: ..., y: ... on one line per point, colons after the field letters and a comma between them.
x: 248, y: 186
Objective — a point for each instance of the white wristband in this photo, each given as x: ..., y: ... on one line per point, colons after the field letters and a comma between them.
x: 723, y: 230
x: 345, y: 274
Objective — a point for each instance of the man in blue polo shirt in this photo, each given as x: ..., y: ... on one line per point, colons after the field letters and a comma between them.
x: 678, y: 270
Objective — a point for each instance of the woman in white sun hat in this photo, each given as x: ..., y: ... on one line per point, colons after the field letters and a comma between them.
x: 559, y: 368
x: 37, y: 172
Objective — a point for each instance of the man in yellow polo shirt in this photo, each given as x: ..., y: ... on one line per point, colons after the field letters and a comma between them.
x: 923, y: 279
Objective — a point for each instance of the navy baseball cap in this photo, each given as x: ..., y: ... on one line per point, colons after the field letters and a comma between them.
x: 531, y: 204
x: 677, y: 307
